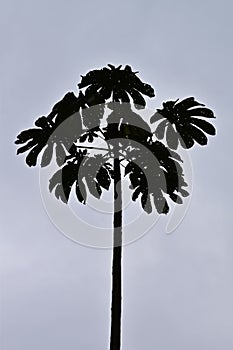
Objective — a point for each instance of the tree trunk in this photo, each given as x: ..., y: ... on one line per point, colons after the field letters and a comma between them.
x: 115, y: 338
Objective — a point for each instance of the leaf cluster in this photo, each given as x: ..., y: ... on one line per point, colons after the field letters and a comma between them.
x: 153, y: 167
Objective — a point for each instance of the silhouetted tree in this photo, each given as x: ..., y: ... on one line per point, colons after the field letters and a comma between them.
x: 76, y: 121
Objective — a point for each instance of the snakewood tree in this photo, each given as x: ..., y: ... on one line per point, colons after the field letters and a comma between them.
x: 108, y: 107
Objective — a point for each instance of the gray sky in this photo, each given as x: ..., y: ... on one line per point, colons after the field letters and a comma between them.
x: 178, y: 288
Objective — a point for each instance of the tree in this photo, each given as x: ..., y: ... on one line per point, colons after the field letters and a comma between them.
x: 148, y: 157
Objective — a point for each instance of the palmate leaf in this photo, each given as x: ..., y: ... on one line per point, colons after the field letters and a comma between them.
x: 180, y: 123
x: 67, y: 106
x: 61, y: 127
x: 120, y: 83
x: 170, y: 161
x: 36, y: 140
x: 64, y: 179
x: 89, y: 107
x: 87, y: 173
x: 97, y: 174
x: 151, y: 182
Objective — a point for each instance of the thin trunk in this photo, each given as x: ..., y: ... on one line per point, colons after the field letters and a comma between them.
x: 115, y: 338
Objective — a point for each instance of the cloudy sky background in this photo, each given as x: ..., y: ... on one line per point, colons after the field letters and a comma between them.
x: 178, y: 288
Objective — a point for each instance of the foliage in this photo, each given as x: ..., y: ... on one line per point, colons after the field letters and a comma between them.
x: 154, y: 170
x: 182, y: 123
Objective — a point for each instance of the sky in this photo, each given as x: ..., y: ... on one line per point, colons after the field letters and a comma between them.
x: 177, y: 288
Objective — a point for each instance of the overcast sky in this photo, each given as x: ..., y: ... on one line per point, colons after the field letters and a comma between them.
x: 178, y: 288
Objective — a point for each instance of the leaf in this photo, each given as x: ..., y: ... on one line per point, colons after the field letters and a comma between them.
x: 92, y: 187
x: 135, y: 179
x: 202, y: 112
x: 176, y: 156
x: 145, y: 89
x: 198, y: 135
x: 184, y: 193
x: 49, y: 131
x: 118, y: 81
x: 129, y: 167
x: 103, y: 178
x: 47, y: 155
x: 55, y: 179
x: 160, y: 202
x: 69, y: 177
x: 92, y: 77
x: 128, y: 69
x: 59, y: 193
x: 32, y: 156
x: 42, y: 122
x: 204, y: 125
x: 176, y: 198
x: 99, y: 190
x: 60, y: 154
x: 171, y: 137
x: 64, y: 179
x: 97, y: 174
x: 90, y: 138
x: 64, y: 108
x: 146, y: 203
x: 92, y: 116
x: 26, y: 147
x: 138, y: 99
x: 121, y: 95
x: 164, y: 177
x: 185, y: 138
x: 27, y: 135
x: 112, y: 66
x: 181, y: 115
x: 186, y: 104
x: 83, y: 138
x: 105, y: 92
x: 160, y: 130
x: 136, y: 193
x: 156, y: 117
x: 80, y: 191
x: 92, y: 90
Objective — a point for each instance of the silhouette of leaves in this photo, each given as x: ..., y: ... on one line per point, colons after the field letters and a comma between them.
x: 154, y: 180
x: 71, y: 104
x: 154, y: 170
x: 97, y: 174
x: 123, y: 123
x: 182, y: 123
x: 64, y: 179
x: 62, y: 131
x: 67, y: 106
x: 116, y: 82
x: 86, y: 173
